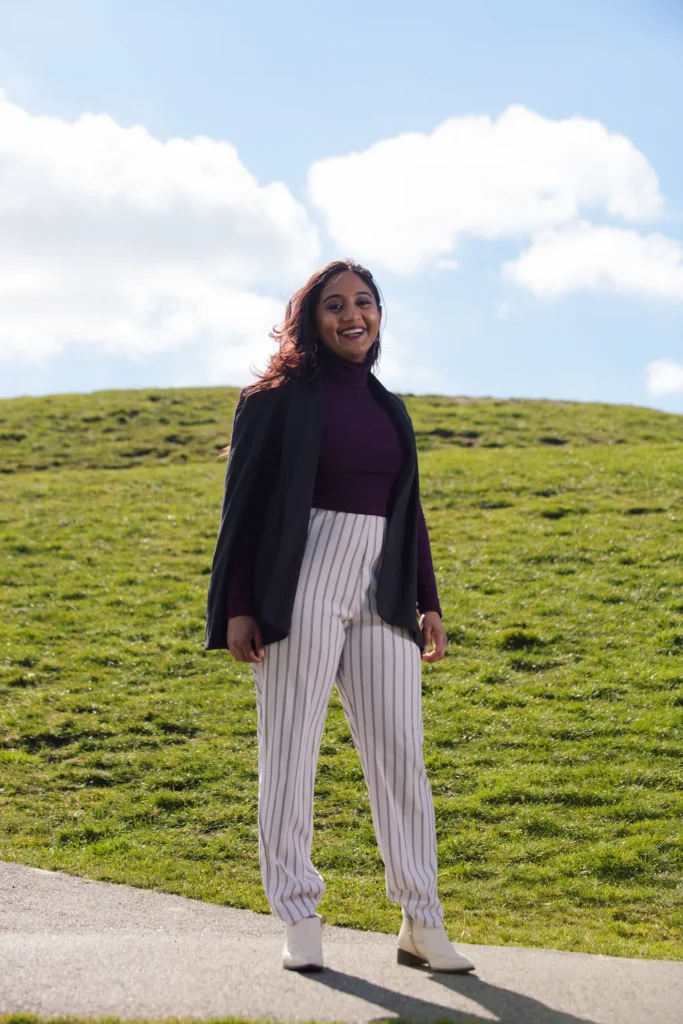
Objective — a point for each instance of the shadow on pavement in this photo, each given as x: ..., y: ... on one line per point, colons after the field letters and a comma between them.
x: 508, y: 1007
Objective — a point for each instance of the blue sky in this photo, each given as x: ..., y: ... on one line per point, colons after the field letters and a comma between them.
x: 425, y: 139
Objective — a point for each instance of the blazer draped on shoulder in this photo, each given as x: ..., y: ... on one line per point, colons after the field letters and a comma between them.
x: 282, y: 427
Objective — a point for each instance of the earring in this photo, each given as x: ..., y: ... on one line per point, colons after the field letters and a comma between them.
x: 312, y: 354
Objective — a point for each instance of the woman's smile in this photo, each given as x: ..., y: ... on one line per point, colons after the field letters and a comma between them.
x: 352, y: 332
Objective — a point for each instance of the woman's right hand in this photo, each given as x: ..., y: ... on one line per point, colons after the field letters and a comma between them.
x: 244, y: 639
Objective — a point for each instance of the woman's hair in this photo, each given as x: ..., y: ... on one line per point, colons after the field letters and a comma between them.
x: 298, y: 331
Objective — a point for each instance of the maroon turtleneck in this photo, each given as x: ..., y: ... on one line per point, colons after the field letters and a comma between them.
x: 360, y: 457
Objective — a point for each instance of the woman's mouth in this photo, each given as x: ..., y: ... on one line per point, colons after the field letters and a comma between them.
x: 352, y: 332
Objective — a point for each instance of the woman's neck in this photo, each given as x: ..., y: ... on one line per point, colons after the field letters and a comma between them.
x: 337, y: 370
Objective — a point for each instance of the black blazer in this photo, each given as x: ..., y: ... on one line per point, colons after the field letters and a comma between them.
x: 290, y: 418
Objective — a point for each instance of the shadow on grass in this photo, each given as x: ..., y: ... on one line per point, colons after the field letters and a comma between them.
x: 508, y: 1007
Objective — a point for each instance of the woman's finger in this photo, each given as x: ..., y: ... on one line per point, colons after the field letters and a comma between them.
x: 244, y: 647
x: 258, y: 641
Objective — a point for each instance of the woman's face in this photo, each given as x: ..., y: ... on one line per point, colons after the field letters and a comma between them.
x: 347, y: 316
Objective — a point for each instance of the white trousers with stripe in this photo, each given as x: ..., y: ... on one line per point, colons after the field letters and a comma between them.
x: 337, y: 636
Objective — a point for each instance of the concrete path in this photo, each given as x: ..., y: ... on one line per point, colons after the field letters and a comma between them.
x: 73, y: 946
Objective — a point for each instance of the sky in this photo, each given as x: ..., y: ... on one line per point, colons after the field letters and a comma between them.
x: 512, y: 175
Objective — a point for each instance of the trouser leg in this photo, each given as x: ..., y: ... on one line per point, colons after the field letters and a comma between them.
x: 379, y: 681
x: 290, y: 721
x: 293, y: 686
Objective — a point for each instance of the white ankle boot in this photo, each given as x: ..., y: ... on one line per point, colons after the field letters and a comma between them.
x: 418, y: 944
x: 303, y: 949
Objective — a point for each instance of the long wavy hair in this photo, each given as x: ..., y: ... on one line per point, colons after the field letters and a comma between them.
x: 298, y: 332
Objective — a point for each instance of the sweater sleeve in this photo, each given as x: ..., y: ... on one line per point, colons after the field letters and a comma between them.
x: 427, y: 595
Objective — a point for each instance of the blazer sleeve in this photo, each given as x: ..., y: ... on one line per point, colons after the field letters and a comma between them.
x: 239, y: 588
x: 243, y: 482
x: 239, y: 596
x: 427, y: 594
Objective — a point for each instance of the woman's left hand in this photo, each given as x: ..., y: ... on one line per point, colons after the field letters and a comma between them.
x: 433, y: 633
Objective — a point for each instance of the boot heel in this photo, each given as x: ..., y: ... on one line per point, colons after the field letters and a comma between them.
x: 407, y: 959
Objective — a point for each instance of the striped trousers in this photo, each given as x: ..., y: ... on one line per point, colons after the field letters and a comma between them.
x: 337, y: 636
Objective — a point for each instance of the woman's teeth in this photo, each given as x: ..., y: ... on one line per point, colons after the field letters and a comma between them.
x: 356, y: 333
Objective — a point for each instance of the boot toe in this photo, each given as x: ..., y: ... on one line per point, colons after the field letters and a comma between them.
x: 419, y: 945
x: 290, y: 964
x: 457, y: 964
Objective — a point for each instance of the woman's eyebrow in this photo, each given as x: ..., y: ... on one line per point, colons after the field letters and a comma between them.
x: 337, y: 296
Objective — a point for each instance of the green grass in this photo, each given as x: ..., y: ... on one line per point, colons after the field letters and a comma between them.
x: 553, y: 725
x: 119, y: 429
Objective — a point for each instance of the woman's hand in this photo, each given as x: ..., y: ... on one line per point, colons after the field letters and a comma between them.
x: 434, y: 633
x: 244, y: 639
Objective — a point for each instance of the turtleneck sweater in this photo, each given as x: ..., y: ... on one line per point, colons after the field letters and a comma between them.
x: 360, y: 457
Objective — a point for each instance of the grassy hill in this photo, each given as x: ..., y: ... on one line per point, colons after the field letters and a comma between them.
x: 119, y: 429
x: 553, y: 726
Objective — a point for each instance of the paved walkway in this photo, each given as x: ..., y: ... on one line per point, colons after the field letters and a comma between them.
x: 73, y: 946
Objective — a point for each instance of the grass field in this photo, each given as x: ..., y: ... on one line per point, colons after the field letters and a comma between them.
x: 553, y: 725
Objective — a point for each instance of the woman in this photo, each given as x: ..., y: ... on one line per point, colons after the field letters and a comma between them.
x: 321, y: 571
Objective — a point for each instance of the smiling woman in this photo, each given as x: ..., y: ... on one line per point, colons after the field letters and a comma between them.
x: 321, y: 571
x: 342, y: 294
x: 340, y: 306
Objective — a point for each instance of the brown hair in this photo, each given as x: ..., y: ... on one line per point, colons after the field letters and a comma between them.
x: 297, y: 333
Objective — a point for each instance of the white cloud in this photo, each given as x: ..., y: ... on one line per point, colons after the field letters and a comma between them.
x: 234, y: 360
x: 405, y: 201
x: 401, y: 370
x: 664, y: 377
x: 111, y: 237
x: 587, y: 257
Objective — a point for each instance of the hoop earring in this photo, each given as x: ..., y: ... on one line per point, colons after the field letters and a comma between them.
x: 312, y: 354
